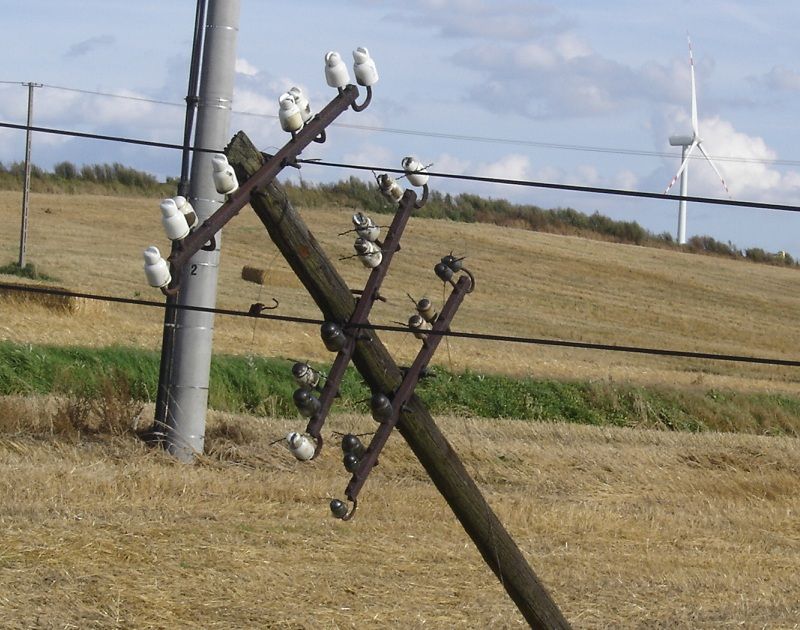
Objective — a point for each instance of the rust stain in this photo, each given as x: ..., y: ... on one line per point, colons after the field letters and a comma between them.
x: 303, y: 251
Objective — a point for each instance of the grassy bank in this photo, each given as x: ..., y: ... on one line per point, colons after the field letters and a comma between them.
x: 263, y: 386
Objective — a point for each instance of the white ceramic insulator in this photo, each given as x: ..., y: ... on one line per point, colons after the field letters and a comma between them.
x: 174, y: 222
x: 156, y: 268
x: 300, y: 446
x: 364, y: 67
x: 369, y: 233
x: 368, y: 253
x: 366, y: 228
x: 302, y: 103
x: 415, y: 171
x: 335, y: 71
x: 187, y: 210
x: 370, y: 261
x: 390, y: 188
x: 289, y: 114
x: 225, y: 180
x: 309, y: 376
x: 419, y: 326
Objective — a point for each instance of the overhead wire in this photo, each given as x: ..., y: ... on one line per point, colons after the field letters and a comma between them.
x: 462, y: 177
x: 686, y: 354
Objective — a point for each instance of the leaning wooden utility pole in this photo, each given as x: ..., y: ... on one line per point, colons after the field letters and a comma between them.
x: 334, y: 298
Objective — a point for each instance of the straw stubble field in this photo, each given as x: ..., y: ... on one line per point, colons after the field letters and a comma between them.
x: 627, y: 528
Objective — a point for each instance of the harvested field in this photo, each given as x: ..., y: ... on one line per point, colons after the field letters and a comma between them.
x: 528, y: 284
x: 627, y: 528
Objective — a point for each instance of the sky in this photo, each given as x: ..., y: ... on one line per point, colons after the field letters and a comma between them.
x: 570, y: 92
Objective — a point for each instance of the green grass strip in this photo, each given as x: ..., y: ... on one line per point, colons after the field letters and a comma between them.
x: 264, y: 386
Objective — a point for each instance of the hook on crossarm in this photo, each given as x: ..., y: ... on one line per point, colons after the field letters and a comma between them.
x: 360, y: 108
x: 171, y: 290
x: 211, y: 245
x: 471, y: 280
x: 317, y: 444
x: 422, y: 200
x: 258, y: 307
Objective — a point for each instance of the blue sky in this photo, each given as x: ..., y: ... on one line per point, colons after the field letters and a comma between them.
x: 611, y: 75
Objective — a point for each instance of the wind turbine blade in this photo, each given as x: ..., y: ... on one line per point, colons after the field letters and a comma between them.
x: 683, y: 166
x: 694, y: 90
x: 716, y: 170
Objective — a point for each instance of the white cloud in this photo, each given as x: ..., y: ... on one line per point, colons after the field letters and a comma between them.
x: 447, y: 163
x: 246, y: 68
x: 625, y: 180
x: 749, y: 176
x: 779, y: 79
x: 512, y: 166
x: 371, y: 155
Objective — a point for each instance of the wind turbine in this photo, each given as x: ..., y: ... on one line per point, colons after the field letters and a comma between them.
x: 689, y: 144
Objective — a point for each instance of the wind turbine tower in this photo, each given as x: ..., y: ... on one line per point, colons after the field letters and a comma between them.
x: 688, y: 144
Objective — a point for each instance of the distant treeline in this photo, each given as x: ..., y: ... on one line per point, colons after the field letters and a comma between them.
x: 470, y: 208
x: 354, y: 193
x: 66, y: 177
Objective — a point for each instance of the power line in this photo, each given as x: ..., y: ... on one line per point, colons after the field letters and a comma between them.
x: 570, y: 187
x: 449, y: 333
x: 98, y: 136
x: 475, y: 178
x: 448, y: 136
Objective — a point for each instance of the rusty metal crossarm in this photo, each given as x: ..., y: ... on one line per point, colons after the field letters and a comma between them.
x: 391, y: 244
x: 407, y: 386
x: 286, y: 156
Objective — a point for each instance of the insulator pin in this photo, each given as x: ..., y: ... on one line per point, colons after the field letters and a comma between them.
x: 390, y: 188
x: 300, y: 446
x: 351, y: 444
x: 427, y: 310
x: 332, y: 336
x: 338, y: 508
x: 350, y: 462
x: 368, y: 253
x: 419, y: 326
x: 381, y: 407
x: 304, y: 374
x: 305, y: 401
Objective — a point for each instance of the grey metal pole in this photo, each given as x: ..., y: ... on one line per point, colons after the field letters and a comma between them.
x: 682, y: 202
x: 186, y: 417
x: 171, y: 313
x: 23, y: 232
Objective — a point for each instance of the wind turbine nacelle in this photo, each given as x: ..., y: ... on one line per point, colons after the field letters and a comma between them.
x: 681, y: 141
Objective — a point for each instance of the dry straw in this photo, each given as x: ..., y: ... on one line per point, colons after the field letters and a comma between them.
x: 58, y: 303
x: 254, y: 274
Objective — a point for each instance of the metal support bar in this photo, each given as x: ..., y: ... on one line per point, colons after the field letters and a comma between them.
x: 407, y: 386
x: 370, y: 293
x: 275, y: 164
